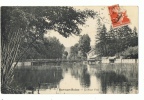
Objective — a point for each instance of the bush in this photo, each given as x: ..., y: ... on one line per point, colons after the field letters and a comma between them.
x: 131, y: 52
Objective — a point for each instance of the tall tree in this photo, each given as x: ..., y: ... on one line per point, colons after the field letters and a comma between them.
x: 102, y: 41
x: 84, y: 44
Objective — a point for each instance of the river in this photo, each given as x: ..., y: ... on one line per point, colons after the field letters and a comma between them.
x: 69, y: 78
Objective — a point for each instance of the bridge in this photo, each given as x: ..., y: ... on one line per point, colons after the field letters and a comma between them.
x: 29, y: 62
x: 51, y: 60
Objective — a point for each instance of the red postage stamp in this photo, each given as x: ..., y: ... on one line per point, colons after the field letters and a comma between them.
x: 118, y: 16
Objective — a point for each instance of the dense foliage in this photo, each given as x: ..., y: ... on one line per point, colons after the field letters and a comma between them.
x: 79, y: 50
x: 116, y: 40
x: 74, y: 51
x: 49, y: 48
x: 131, y: 52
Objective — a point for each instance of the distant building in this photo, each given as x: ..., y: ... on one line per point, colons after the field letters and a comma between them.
x: 91, y: 54
x: 92, y: 57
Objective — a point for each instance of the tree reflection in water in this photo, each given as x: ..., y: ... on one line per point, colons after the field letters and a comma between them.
x: 85, y: 78
x: 118, y: 79
x: 80, y: 72
x: 111, y: 79
x: 37, y: 78
x: 106, y: 78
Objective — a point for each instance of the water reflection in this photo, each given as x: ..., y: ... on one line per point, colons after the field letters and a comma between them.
x: 118, y: 80
x: 43, y: 78
x: 85, y: 78
x: 80, y: 72
x: 104, y: 78
x: 109, y: 79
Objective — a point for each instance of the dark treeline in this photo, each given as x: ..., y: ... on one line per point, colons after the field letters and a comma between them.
x: 48, y: 48
x: 121, y: 41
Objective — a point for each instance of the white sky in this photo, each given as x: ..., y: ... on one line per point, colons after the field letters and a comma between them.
x: 91, y: 26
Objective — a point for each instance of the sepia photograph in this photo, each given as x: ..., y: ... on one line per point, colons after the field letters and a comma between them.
x: 69, y: 49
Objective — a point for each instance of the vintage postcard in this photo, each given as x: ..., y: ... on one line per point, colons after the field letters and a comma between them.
x: 69, y: 49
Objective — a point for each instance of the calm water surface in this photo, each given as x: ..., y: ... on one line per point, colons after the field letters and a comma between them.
x: 78, y: 78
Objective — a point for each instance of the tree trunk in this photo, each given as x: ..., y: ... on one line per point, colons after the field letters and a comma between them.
x: 9, y: 54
